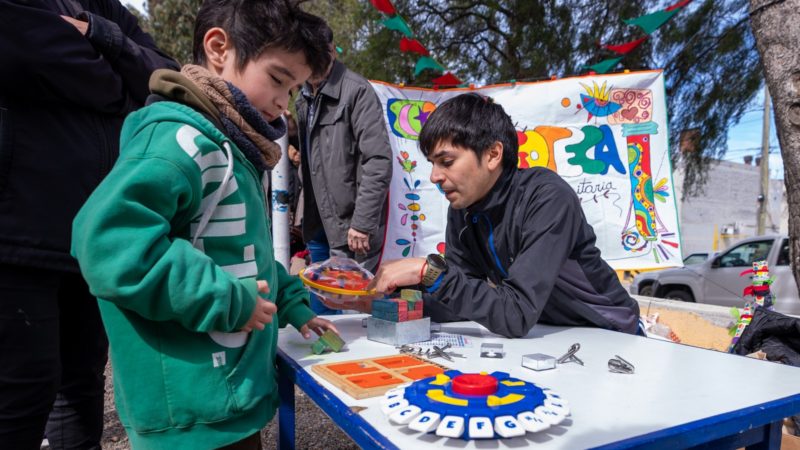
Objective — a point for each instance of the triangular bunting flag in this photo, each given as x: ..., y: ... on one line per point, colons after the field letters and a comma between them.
x: 651, y: 22
x: 625, y: 48
x: 678, y: 5
x: 397, y: 23
x: 413, y: 45
x: 605, y: 65
x: 384, y: 6
x: 447, y: 79
x: 427, y: 62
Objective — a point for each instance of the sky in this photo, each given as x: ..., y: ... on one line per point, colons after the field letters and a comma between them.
x: 743, y: 138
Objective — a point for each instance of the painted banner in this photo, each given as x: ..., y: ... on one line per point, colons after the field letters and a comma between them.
x: 606, y: 135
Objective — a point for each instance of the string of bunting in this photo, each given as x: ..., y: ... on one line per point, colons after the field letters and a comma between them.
x: 408, y: 44
x: 648, y: 23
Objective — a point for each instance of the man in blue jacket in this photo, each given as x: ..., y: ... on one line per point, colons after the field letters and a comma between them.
x: 70, y: 70
x: 519, y: 249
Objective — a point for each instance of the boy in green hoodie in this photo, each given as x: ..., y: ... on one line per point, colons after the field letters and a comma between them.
x: 175, y: 242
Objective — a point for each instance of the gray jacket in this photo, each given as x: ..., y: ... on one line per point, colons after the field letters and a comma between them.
x: 348, y: 167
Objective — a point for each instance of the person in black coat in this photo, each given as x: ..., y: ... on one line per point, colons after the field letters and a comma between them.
x: 70, y: 71
x: 519, y: 249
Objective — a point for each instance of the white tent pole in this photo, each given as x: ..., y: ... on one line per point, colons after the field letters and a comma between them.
x: 280, y: 207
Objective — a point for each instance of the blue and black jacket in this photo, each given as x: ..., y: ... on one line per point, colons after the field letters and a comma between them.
x: 525, y: 254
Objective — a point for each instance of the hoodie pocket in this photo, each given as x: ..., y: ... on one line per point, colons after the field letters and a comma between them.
x: 201, y: 382
x: 6, y: 149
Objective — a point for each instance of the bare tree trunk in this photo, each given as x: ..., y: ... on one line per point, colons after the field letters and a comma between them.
x: 777, y: 30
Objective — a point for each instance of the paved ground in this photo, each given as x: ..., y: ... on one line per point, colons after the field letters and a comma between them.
x: 314, y: 430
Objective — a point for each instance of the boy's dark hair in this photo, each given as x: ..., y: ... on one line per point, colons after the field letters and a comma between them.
x: 471, y: 121
x: 258, y: 25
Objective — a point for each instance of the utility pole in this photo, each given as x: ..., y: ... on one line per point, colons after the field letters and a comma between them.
x: 764, y: 166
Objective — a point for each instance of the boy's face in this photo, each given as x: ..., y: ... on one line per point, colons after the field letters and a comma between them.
x: 458, y: 173
x: 268, y: 80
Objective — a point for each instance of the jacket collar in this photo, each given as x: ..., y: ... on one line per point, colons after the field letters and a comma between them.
x: 497, y: 197
x: 333, y: 84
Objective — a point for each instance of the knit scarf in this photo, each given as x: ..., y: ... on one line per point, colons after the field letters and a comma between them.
x: 241, y: 121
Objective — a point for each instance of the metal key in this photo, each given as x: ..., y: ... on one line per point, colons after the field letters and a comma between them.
x: 619, y: 365
x: 570, y: 355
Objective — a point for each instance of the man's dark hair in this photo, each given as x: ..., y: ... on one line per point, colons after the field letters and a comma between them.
x: 471, y: 121
x: 258, y: 25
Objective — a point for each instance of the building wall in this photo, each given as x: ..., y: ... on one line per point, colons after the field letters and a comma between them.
x: 727, y: 210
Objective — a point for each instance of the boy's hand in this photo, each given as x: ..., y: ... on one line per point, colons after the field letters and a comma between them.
x: 319, y: 325
x: 398, y: 273
x: 262, y: 313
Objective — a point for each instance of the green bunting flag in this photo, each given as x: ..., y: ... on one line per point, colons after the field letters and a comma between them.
x: 427, y: 62
x: 650, y: 22
x: 397, y: 23
x: 605, y: 65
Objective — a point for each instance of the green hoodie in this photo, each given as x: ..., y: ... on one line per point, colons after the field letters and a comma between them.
x: 175, y: 285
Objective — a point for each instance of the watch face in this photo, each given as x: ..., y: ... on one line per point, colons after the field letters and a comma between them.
x: 437, y: 261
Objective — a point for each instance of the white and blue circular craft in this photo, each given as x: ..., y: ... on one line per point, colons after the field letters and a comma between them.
x: 474, y: 406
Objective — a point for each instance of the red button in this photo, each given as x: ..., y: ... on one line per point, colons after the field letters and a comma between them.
x: 474, y: 384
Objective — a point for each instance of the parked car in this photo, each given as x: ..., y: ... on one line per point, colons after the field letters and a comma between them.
x: 645, y: 280
x: 716, y: 281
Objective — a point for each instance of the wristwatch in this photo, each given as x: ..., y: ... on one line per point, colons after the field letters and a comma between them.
x: 436, y: 265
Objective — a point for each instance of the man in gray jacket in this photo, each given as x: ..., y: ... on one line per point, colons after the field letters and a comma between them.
x: 346, y: 168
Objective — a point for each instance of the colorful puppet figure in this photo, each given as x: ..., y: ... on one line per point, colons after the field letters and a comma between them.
x: 761, y: 293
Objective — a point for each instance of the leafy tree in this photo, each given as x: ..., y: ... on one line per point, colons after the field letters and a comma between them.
x: 171, y: 23
x: 778, y: 41
x: 711, y: 65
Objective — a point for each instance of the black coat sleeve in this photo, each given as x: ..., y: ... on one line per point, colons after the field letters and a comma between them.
x: 45, y: 58
x: 552, y: 217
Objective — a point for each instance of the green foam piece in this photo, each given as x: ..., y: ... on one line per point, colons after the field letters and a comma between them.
x: 332, y: 340
x: 318, y: 347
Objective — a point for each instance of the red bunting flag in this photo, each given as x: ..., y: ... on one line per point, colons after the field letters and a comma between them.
x: 384, y: 6
x: 413, y: 45
x: 447, y: 79
x: 680, y: 4
x: 624, y: 49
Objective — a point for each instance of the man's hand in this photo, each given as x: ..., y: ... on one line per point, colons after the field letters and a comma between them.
x: 319, y: 325
x: 397, y: 273
x: 357, y: 241
x: 82, y: 26
x: 294, y: 155
x: 262, y: 313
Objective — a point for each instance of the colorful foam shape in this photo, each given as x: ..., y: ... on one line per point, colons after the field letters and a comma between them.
x: 405, y: 415
x: 508, y: 426
x: 480, y: 428
x: 394, y: 406
x: 425, y: 422
x: 532, y: 422
x: 552, y: 416
x: 451, y: 426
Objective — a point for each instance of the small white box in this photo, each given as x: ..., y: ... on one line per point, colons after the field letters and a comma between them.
x: 538, y: 361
